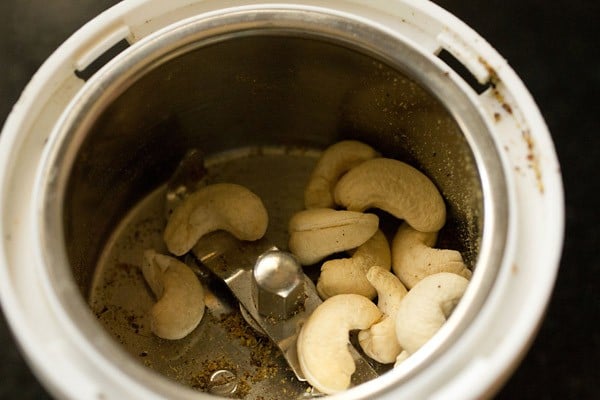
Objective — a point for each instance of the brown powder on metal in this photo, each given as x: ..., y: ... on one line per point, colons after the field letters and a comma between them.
x: 262, y: 351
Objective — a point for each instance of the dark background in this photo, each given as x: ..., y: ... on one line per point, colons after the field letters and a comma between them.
x: 553, y: 46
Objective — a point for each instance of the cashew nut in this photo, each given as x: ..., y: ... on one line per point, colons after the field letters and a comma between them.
x: 413, y: 258
x: 425, y: 309
x: 323, y: 341
x: 223, y: 206
x: 319, y: 232
x: 379, y: 341
x: 180, y: 304
x: 348, y: 275
x: 335, y: 161
x: 395, y: 187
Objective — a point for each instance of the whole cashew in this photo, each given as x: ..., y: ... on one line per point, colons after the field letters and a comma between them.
x: 413, y: 258
x: 222, y: 206
x: 395, y: 187
x: 323, y: 341
x: 425, y: 309
x: 335, y: 161
x: 180, y: 304
x: 317, y: 233
x: 349, y: 275
x: 379, y: 341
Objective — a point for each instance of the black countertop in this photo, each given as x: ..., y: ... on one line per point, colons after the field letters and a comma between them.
x: 553, y: 46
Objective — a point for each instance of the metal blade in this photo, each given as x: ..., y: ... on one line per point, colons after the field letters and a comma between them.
x: 232, y: 261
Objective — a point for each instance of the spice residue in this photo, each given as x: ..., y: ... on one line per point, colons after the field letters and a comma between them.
x: 262, y: 351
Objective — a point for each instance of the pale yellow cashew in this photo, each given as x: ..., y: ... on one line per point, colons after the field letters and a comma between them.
x: 323, y: 341
x: 395, y: 187
x: 414, y: 258
x: 180, y: 297
x: 349, y: 275
x: 222, y: 206
x: 426, y: 308
x: 379, y: 341
x: 334, y: 162
x: 317, y: 233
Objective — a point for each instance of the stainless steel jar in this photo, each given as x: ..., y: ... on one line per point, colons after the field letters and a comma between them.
x: 277, y: 82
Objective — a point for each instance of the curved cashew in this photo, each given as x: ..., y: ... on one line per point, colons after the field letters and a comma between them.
x: 413, y: 258
x: 395, y: 187
x: 426, y: 307
x: 180, y: 304
x: 349, y: 275
x: 323, y: 341
x: 335, y: 161
x: 317, y: 233
x: 223, y: 206
x: 379, y: 341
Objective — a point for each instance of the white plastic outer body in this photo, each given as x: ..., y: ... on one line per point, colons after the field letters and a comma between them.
x: 474, y: 367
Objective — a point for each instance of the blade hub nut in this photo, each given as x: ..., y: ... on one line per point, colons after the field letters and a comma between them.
x: 278, y: 286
